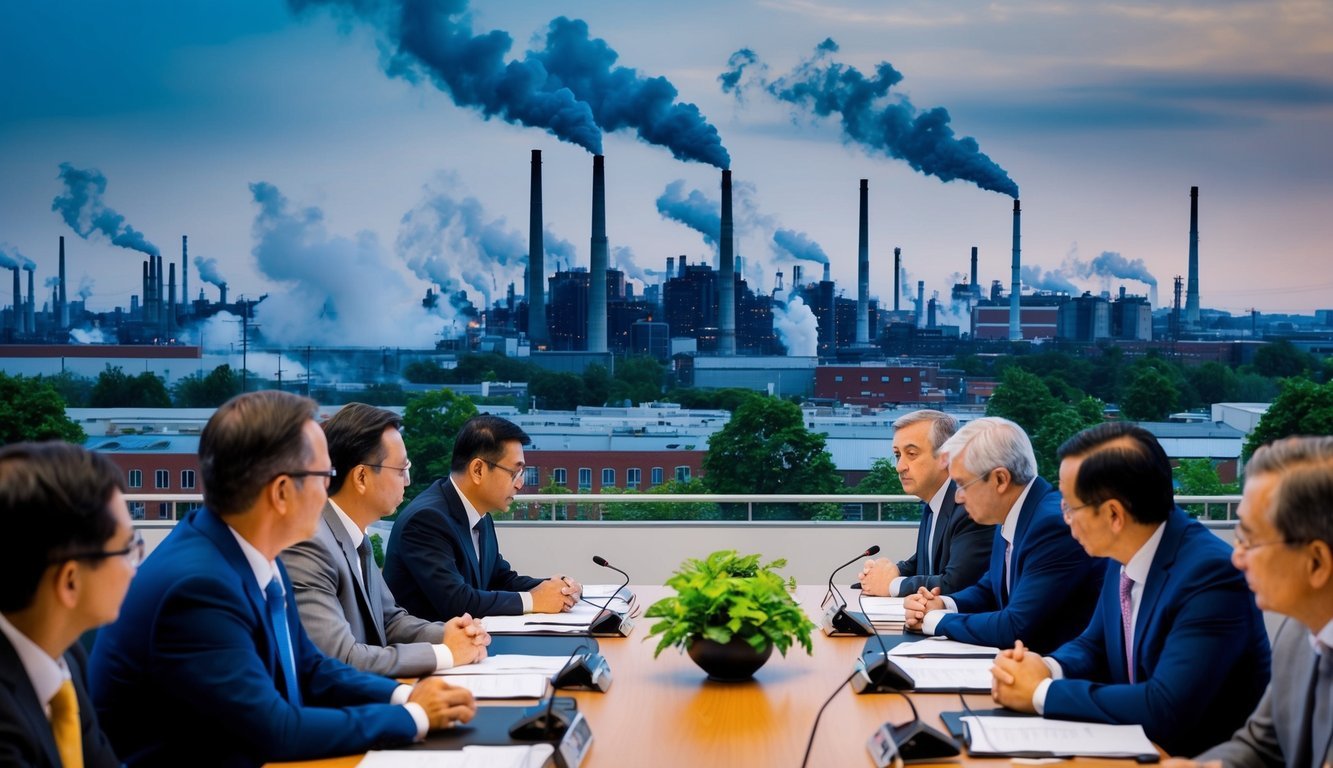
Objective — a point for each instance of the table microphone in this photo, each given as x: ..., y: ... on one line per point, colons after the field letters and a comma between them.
x: 543, y: 720
x: 592, y: 672
x: 607, y: 621
x: 837, y: 620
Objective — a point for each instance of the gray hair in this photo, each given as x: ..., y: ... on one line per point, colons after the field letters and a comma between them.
x: 1304, y: 467
x: 991, y: 443
x: 942, y: 425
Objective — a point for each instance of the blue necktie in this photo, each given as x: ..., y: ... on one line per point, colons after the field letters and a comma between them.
x: 277, y: 614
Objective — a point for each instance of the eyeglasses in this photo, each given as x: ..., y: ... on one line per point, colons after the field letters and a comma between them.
x: 134, y: 553
x: 327, y: 474
x: 1067, y: 510
x: 1240, y: 544
x: 975, y: 480
x: 406, y: 470
x: 514, y: 474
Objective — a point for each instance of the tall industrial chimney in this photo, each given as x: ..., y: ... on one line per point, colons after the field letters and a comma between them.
x: 536, y: 288
x: 30, y: 312
x: 159, y: 312
x: 222, y: 295
x: 62, y: 314
x: 920, y: 303
x: 185, y: 276
x: 1015, y: 285
x: 1192, y: 292
x: 796, y: 276
x: 863, y: 269
x: 930, y: 312
x: 826, y: 272
x: 973, y: 281
x: 597, y: 280
x: 18, y: 303
x: 671, y: 267
x: 726, y: 274
x: 171, y: 304
x: 143, y: 310
x: 897, y: 275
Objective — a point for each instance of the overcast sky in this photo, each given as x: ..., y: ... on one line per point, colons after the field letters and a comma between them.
x: 313, y: 157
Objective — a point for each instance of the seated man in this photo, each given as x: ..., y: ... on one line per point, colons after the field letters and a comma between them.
x: 74, y: 555
x: 1284, y: 546
x: 952, y: 550
x: 1041, y: 586
x: 1176, y: 643
x: 208, y: 661
x: 443, y: 558
x: 346, y: 608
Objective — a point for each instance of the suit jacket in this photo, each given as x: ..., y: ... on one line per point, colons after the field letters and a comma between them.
x: 190, y: 671
x: 25, y: 732
x: 1273, y: 734
x: 1201, y: 656
x: 961, y: 549
x: 431, y: 566
x: 355, y: 622
x: 1053, y: 584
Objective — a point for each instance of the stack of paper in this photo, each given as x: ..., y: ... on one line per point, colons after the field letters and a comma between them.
x: 574, y: 621
x: 946, y: 674
x: 943, y: 647
x: 508, y: 676
x: 1039, y: 737
x: 885, y: 613
x: 517, y: 756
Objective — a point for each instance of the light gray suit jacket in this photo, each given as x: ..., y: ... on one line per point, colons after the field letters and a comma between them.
x: 1272, y: 735
x: 360, y: 624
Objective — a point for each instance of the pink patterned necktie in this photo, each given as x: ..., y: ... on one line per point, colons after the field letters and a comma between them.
x: 1127, y: 621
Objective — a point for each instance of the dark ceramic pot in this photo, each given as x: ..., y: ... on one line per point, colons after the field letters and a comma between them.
x: 727, y: 662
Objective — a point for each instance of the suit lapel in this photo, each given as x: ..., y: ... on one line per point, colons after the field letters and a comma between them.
x: 15, y: 678
x: 1159, y: 574
x: 458, y: 517
x: 373, y: 619
x: 947, y: 509
x: 923, y: 536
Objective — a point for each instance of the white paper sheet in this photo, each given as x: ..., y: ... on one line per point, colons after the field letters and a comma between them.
x: 575, y: 620
x: 1037, y: 736
x: 940, y: 646
x: 600, y: 592
x: 530, y: 686
x: 947, y: 674
x: 890, y: 608
x: 511, y: 664
x: 518, y: 756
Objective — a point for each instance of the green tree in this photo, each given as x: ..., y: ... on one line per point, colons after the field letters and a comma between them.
x: 220, y: 385
x: 1022, y: 398
x: 638, y: 380
x: 430, y: 423
x: 1058, y: 426
x: 765, y: 448
x: 1281, y: 359
x: 558, y: 391
x: 1302, y: 407
x: 728, y: 399
x: 883, y: 480
x: 426, y: 372
x: 116, y: 389
x: 1198, y: 477
x: 1214, y: 382
x: 75, y: 390
x: 31, y: 409
x: 1149, y: 396
x: 596, y: 385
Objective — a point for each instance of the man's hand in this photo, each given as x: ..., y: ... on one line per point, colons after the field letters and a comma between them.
x: 549, y: 596
x: 445, y: 705
x: 466, y: 638
x: 915, y: 607
x: 1015, y: 677
x: 877, y: 576
x: 571, y: 589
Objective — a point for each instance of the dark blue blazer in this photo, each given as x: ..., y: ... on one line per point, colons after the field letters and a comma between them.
x: 431, y: 568
x: 1053, y: 584
x: 189, y: 674
x: 962, y: 550
x: 1201, y: 655
x: 25, y: 732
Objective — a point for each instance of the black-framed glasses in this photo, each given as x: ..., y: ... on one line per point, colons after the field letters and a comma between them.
x: 514, y: 474
x: 405, y: 470
x: 134, y: 552
x: 327, y: 474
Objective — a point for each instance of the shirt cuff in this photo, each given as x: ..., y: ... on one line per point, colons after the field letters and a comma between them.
x: 526, y: 597
x: 400, y: 696
x: 949, y: 604
x: 932, y: 620
x: 444, y: 658
x: 1039, y: 696
x: 896, y: 586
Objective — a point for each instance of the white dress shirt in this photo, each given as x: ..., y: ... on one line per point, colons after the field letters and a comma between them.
x: 473, y: 517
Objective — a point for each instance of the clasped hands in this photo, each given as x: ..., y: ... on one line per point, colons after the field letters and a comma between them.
x: 877, y: 576
x: 556, y: 595
x: 466, y: 639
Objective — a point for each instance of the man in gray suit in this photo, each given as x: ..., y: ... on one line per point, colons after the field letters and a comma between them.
x: 345, y: 606
x: 1284, y: 544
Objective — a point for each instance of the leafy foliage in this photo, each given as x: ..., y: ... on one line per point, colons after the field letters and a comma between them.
x: 765, y: 448
x: 1149, y: 396
x: 1301, y: 408
x: 729, y: 595
x: 32, y: 410
x: 430, y: 423
x: 116, y: 389
x: 219, y: 386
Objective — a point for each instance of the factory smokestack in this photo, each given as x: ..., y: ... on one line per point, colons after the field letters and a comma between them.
x: 536, y: 288
x: 796, y: 276
x: 863, y: 269
x: 920, y: 303
x: 671, y: 267
x: 973, y: 281
x: 30, y: 313
x: 62, y: 314
x: 726, y: 267
x: 597, y: 284
x: 171, y: 304
x: 826, y: 273
x: 17, y: 314
x: 222, y: 295
x: 930, y: 312
x: 897, y: 273
x: 185, y: 276
x: 1015, y: 287
x: 159, y: 311
x: 1192, y: 292
x: 143, y: 310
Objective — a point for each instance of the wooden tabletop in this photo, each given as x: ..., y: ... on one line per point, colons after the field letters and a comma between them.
x: 665, y: 712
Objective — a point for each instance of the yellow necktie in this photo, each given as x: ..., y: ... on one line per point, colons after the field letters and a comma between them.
x: 65, y: 726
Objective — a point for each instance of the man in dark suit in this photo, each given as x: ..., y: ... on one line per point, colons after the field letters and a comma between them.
x: 952, y: 549
x: 75, y: 554
x: 443, y: 558
x: 1041, y: 586
x: 345, y: 606
x: 1284, y: 546
x: 1170, y: 598
x: 210, y: 642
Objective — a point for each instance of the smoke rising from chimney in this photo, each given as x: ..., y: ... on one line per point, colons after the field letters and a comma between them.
x: 81, y: 207
x: 695, y: 210
x: 799, y: 246
x: 337, y: 291
x: 1105, y: 268
x: 622, y: 258
x: 559, y: 249
x: 208, y: 270
x: 872, y: 117
x: 797, y: 327
x: 10, y: 258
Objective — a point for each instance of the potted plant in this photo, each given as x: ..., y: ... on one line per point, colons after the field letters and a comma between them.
x: 729, y: 613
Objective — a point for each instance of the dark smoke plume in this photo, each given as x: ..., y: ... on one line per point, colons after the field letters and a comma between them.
x: 81, y: 207
x: 799, y: 246
x: 694, y: 210
x: 871, y: 116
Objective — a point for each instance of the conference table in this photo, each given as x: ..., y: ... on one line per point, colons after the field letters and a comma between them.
x: 665, y: 712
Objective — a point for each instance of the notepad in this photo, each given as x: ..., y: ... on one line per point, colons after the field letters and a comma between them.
x: 530, y: 686
x: 517, y: 756
x: 1040, y: 737
x: 937, y: 647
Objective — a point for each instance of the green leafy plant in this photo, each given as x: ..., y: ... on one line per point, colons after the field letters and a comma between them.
x: 727, y: 596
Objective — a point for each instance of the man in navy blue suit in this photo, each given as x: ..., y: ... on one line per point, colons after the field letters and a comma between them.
x: 1041, y: 586
x: 952, y: 550
x: 208, y: 662
x: 75, y: 555
x: 1176, y: 643
x: 443, y: 558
